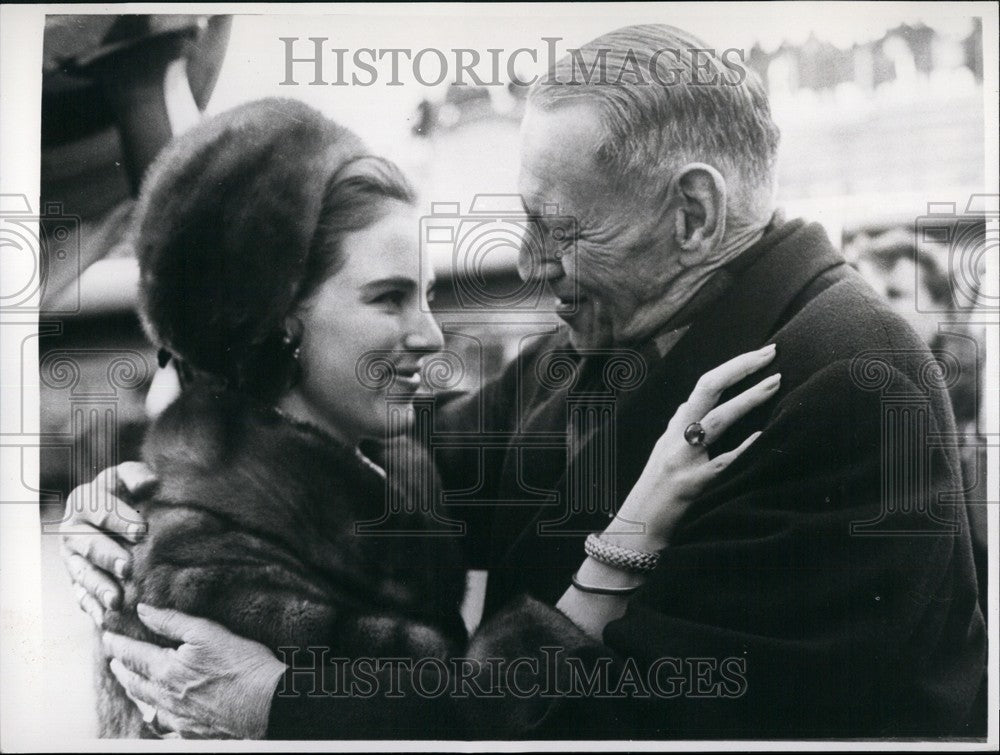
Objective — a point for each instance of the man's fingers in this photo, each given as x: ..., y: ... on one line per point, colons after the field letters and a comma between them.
x: 722, y: 461
x: 146, y: 694
x: 80, y: 509
x: 89, y: 605
x: 174, y: 624
x: 115, y: 515
x: 98, y: 503
x: 722, y: 417
x: 94, y: 582
x: 139, y: 688
x: 99, y: 549
x: 153, y: 717
x: 137, y: 478
x: 147, y: 710
x: 168, y: 725
x: 713, y: 383
x: 144, y: 658
x: 118, y: 517
x: 188, y: 729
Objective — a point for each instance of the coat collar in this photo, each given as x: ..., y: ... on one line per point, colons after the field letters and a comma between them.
x: 745, y: 312
x: 741, y: 316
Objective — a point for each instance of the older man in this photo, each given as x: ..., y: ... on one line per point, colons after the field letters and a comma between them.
x: 809, y: 592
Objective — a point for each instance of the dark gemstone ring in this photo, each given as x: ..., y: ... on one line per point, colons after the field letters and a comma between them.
x: 694, y: 434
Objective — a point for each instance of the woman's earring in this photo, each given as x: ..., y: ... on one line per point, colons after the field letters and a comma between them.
x: 287, y: 341
x: 293, y: 336
x: 292, y: 343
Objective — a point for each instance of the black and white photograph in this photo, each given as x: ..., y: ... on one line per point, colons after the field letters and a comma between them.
x: 464, y: 376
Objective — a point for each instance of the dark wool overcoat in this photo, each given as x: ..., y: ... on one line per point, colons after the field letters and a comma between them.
x: 830, y: 568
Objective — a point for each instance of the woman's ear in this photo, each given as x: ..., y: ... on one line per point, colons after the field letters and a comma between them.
x: 698, y: 192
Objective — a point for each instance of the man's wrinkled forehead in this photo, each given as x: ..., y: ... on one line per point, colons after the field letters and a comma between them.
x: 558, y: 156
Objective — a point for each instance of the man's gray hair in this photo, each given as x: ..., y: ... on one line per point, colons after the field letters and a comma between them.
x: 665, y: 99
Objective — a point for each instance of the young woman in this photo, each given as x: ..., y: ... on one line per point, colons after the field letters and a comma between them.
x: 279, y: 259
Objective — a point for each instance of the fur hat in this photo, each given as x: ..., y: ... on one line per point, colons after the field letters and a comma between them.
x: 224, y: 226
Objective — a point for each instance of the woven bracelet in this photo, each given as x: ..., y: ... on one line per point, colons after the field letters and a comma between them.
x: 617, y: 556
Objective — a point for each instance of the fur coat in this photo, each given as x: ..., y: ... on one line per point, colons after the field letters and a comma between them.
x: 252, y: 526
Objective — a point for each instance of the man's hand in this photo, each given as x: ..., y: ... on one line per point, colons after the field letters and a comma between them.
x: 215, y: 685
x: 94, y: 512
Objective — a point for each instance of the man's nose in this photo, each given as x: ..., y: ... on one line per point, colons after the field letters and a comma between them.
x: 536, y: 262
x: 426, y: 335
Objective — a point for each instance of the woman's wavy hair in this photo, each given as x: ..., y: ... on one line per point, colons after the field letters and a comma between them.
x: 354, y: 199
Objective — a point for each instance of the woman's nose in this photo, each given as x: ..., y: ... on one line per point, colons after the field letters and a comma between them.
x: 426, y: 337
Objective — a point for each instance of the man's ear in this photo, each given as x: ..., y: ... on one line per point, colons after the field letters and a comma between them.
x: 698, y: 194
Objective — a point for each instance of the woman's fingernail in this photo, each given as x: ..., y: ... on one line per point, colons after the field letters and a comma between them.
x: 774, y: 381
x: 135, y: 531
x: 769, y: 349
x: 108, y: 598
x: 120, y: 566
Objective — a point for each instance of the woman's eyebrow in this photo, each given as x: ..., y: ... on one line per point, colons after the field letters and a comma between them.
x: 395, y: 281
